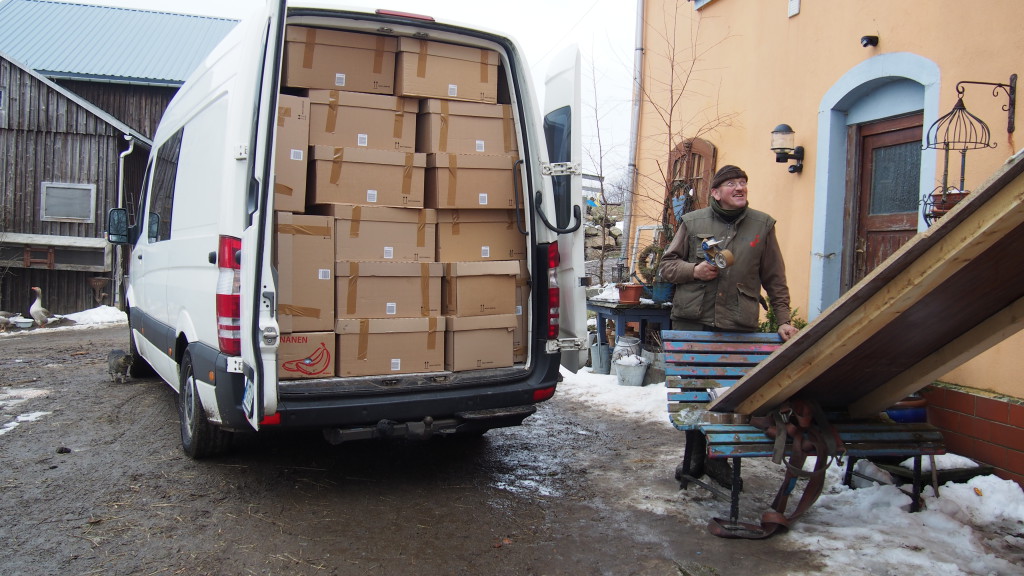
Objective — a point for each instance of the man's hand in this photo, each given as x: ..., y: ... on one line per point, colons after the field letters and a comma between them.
x: 705, y: 271
x: 787, y: 331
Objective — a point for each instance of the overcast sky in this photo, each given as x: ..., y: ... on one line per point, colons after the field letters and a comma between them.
x: 604, y: 30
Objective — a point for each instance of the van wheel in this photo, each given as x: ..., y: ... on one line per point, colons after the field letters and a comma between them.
x: 139, y: 368
x: 199, y: 438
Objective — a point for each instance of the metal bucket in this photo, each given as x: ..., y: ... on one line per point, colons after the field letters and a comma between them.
x: 630, y: 374
x: 625, y: 346
x: 599, y: 359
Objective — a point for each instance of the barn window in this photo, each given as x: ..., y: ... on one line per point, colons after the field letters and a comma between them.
x: 64, y: 202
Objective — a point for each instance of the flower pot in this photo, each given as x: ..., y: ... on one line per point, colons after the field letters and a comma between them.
x: 630, y: 293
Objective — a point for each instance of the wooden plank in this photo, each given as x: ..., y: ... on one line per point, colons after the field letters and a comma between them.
x: 721, y: 347
x: 980, y: 338
x: 713, y: 372
x: 699, y: 336
x: 694, y: 358
x: 917, y: 302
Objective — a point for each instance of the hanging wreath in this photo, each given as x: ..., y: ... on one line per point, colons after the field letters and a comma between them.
x: 648, y: 261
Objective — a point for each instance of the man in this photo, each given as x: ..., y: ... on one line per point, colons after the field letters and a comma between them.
x: 727, y: 299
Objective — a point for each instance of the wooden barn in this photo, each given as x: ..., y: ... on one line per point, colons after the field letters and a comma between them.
x: 82, y: 89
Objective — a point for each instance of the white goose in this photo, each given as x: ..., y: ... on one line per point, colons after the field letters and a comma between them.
x: 41, y: 315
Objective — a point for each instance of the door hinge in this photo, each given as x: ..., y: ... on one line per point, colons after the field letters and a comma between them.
x: 561, y: 169
x: 564, y: 344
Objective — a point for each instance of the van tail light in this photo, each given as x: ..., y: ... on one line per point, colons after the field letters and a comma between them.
x: 554, y: 297
x: 229, y: 299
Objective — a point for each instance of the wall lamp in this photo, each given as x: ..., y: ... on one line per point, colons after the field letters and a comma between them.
x: 783, y: 139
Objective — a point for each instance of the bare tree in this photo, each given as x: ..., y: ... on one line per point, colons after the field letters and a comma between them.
x: 671, y: 98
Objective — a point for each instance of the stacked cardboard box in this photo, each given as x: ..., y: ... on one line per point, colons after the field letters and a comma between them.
x: 408, y: 161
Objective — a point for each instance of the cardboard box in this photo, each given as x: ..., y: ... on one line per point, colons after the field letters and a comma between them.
x: 520, y: 335
x: 306, y: 355
x: 336, y: 60
x: 387, y: 289
x: 290, y: 152
x: 479, y: 288
x: 465, y: 128
x: 355, y: 120
x: 479, y: 236
x: 478, y: 342
x: 382, y: 346
x: 367, y: 177
x: 470, y: 181
x: 305, y: 264
x: 381, y: 232
x: 427, y: 69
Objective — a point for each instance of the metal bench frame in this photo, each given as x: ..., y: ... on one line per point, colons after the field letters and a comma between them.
x: 698, y: 362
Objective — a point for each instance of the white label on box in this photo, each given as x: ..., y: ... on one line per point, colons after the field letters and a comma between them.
x: 391, y: 308
x: 485, y: 251
x: 396, y: 364
x: 389, y: 252
x: 296, y: 155
x: 453, y: 90
x: 480, y: 146
x: 371, y: 195
x: 339, y: 79
x: 483, y: 199
x: 362, y: 140
x: 325, y: 274
x: 519, y: 310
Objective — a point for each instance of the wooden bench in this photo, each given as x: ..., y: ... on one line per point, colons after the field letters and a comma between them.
x: 697, y: 364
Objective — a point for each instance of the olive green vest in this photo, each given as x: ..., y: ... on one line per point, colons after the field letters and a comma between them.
x: 729, y: 302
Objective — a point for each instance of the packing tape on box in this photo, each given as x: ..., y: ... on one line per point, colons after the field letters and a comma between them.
x: 484, y: 66
x: 421, y: 62
x: 336, y: 161
x: 453, y: 172
x: 455, y: 223
x: 425, y: 289
x: 282, y: 189
x: 364, y: 339
x: 410, y: 158
x: 508, y: 129
x: 421, y: 230
x: 432, y: 333
x: 332, y: 112
x: 298, y: 311
x: 309, y: 49
x: 283, y: 112
x: 399, y: 119
x: 357, y: 216
x: 442, y: 145
x: 353, y: 283
x: 378, y: 55
x: 303, y: 229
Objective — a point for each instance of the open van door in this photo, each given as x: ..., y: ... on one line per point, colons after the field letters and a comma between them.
x: 260, y: 332
x: 562, y: 130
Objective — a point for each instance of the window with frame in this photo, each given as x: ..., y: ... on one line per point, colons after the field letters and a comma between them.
x: 68, y: 202
x: 2, y: 94
x: 165, y: 176
x: 693, y: 167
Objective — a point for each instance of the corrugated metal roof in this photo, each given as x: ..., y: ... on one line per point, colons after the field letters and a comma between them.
x: 84, y: 41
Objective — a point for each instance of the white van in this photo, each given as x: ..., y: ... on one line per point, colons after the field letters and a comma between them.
x: 207, y: 266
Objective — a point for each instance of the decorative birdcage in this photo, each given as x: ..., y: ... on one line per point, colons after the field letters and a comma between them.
x: 960, y: 131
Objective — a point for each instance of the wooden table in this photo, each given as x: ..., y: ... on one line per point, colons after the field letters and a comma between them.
x: 625, y: 313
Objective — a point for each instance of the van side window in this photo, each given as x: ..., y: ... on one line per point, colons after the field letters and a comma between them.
x: 164, y: 180
x: 558, y: 133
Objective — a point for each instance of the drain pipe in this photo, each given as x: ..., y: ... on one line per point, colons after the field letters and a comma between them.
x: 119, y: 250
x: 638, y: 69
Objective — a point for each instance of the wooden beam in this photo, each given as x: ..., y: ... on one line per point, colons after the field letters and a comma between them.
x: 947, y: 249
x: 979, y: 339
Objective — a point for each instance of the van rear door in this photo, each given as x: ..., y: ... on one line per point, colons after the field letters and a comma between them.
x: 562, y: 129
x: 259, y: 327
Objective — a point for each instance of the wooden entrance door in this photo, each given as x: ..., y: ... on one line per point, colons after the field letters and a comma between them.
x: 886, y: 192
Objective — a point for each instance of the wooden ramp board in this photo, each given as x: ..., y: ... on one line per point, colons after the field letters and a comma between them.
x: 948, y: 294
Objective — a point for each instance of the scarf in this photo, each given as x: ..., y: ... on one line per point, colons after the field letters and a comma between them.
x: 727, y: 215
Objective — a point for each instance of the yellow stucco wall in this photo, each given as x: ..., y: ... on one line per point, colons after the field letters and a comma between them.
x: 743, y: 67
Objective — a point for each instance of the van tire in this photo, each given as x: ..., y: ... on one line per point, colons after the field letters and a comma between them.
x: 199, y: 438
x: 139, y: 368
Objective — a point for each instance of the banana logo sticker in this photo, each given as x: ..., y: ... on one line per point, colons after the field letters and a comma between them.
x: 314, y: 364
